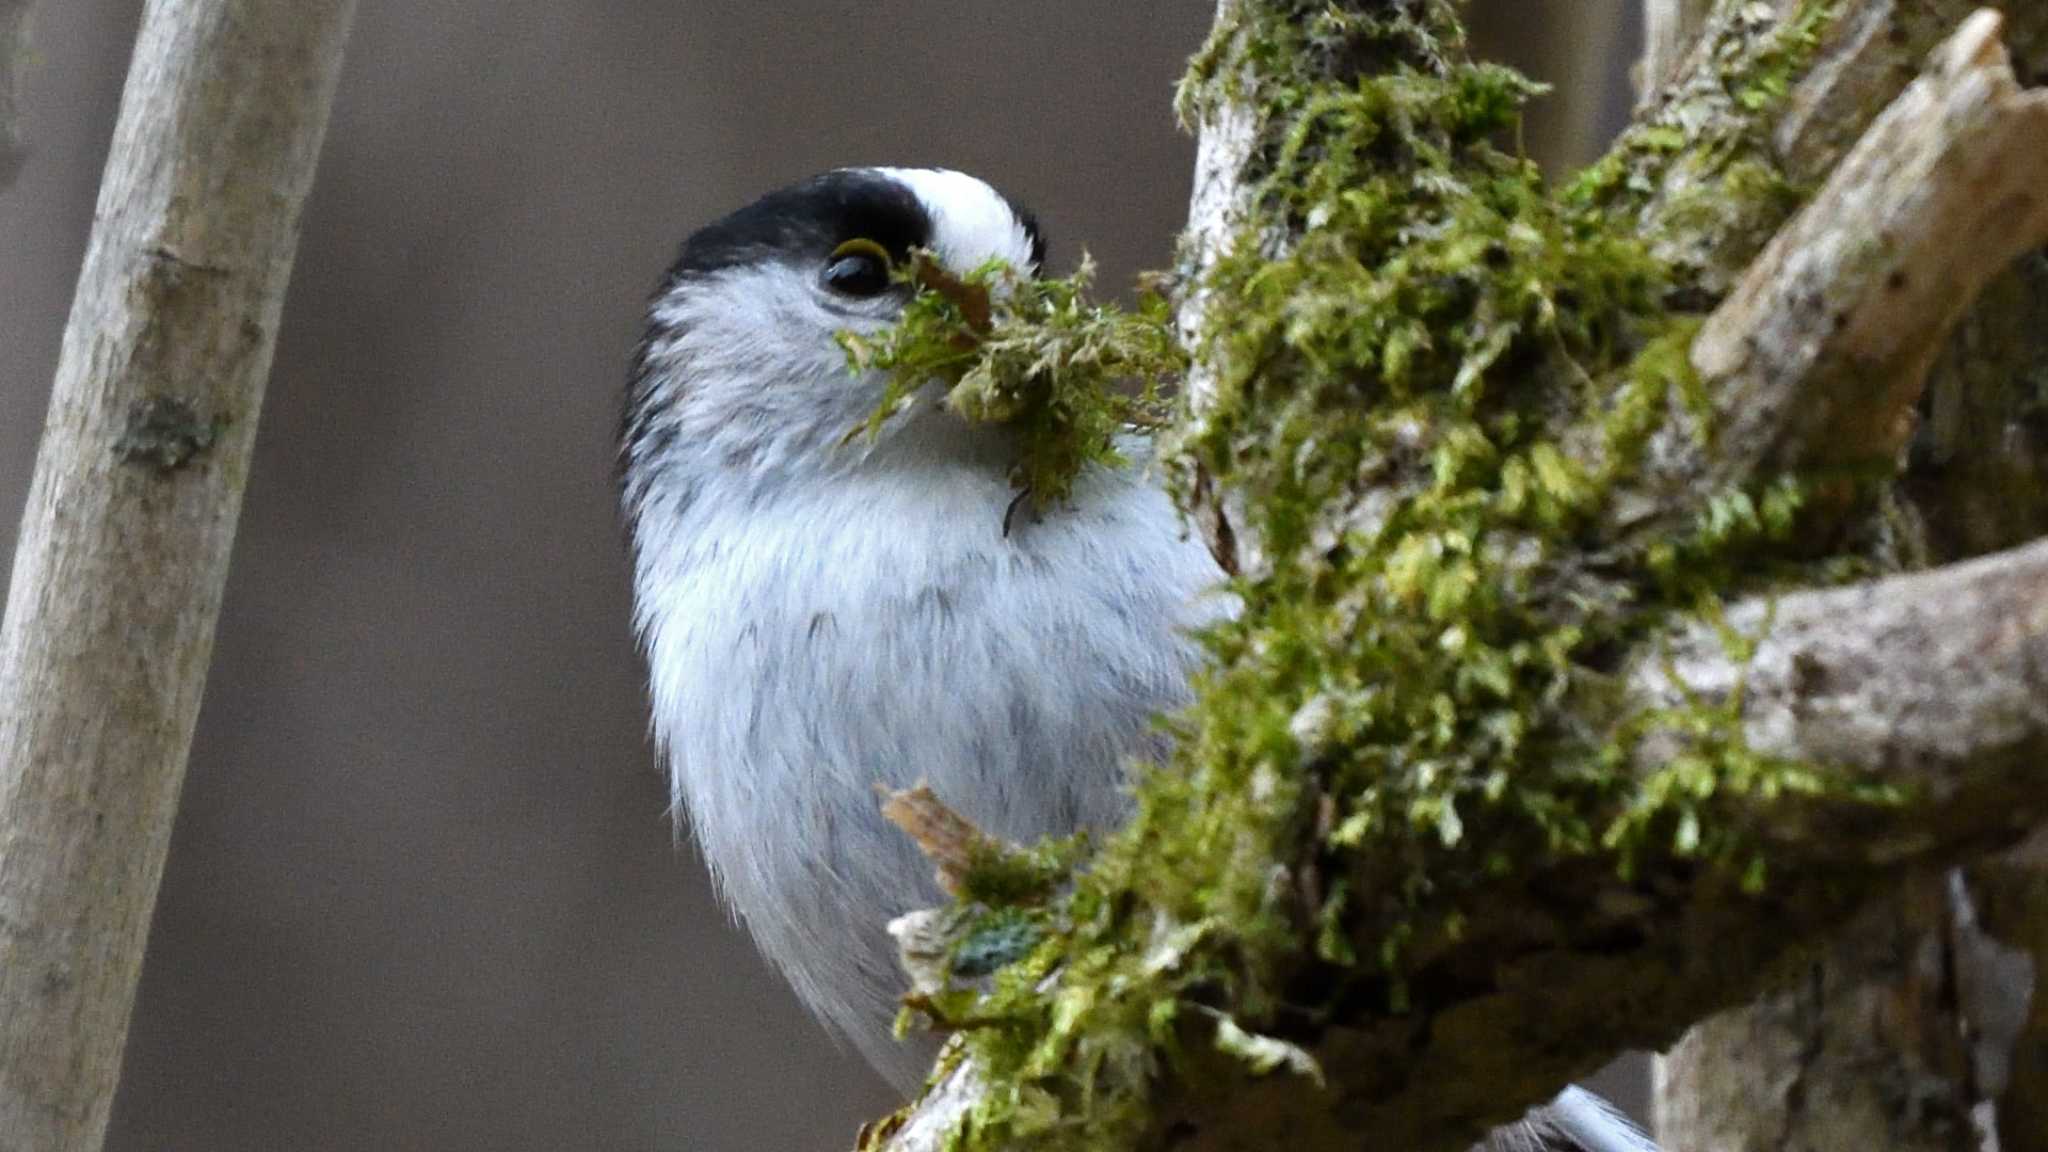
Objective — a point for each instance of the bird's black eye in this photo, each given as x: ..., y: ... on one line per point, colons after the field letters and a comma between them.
x: 858, y: 268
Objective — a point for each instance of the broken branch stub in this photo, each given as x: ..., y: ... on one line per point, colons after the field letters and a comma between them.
x: 1816, y: 361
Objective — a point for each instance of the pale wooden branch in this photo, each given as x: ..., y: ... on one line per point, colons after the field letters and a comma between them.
x: 124, y: 543
x: 1225, y: 141
x: 1936, y: 681
x: 1721, y: 151
x: 930, y: 1126
x: 15, y: 54
x: 1819, y: 355
x: 947, y: 839
x: 1817, y: 360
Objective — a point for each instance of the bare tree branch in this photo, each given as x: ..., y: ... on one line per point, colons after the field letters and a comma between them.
x: 125, y: 540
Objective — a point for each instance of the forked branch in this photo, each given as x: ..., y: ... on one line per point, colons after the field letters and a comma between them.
x: 1934, y: 685
x: 1817, y: 359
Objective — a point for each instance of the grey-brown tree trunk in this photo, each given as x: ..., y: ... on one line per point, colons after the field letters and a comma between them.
x: 124, y: 544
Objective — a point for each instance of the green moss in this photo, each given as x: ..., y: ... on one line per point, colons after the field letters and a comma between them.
x: 1699, y: 175
x: 999, y: 875
x: 1430, y: 401
x: 1037, y: 355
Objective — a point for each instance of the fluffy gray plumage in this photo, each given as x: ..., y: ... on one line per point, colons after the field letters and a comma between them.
x: 823, y: 615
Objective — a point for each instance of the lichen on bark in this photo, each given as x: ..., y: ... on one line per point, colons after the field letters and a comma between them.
x: 1699, y: 174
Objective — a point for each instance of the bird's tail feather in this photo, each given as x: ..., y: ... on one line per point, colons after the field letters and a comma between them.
x: 1577, y: 1121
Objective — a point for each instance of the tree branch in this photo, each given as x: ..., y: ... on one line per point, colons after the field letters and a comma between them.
x: 1764, y: 103
x: 1935, y: 681
x: 1556, y: 971
x: 1670, y: 28
x: 1872, y: 1044
x: 1818, y: 357
x: 1225, y: 139
x: 1600, y: 966
x: 1587, y: 967
x: 125, y: 539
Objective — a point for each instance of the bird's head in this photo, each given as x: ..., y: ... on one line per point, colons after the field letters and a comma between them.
x: 741, y: 370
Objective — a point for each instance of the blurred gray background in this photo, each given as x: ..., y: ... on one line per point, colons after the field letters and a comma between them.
x: 423, y: 891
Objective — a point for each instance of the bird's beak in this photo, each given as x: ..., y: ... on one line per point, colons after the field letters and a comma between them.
x: 972, y: 299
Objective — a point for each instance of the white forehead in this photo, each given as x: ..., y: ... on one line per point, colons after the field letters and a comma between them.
x: 971, y: 221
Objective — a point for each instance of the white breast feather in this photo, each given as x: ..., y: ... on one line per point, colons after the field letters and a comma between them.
x: 885, y: 631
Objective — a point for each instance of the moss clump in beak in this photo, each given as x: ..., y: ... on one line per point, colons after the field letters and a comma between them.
x: 1039, y: 355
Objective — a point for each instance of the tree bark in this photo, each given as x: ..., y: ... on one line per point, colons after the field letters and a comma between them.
x: 1821, y: 353
x: 124, y: 545
x: 1670, y: 29
x: 1921, y: 1028
x: 1918, y: 1029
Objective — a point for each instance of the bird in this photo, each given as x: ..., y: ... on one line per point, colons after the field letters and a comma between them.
x: 823, y: 614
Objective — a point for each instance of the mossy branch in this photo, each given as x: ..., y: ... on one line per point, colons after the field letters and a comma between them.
x: 1583, y: 964
x: 1485, y: 761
